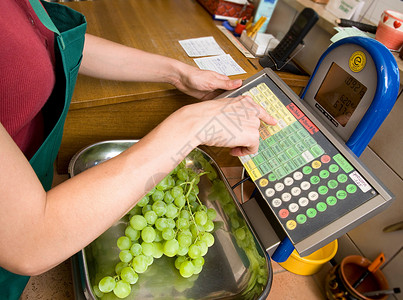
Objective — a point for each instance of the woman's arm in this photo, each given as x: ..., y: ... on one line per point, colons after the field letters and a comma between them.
x: 113, y: 61
x: 41, y: 229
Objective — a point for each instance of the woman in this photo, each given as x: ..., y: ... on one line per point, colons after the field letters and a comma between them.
x: 39, y: 59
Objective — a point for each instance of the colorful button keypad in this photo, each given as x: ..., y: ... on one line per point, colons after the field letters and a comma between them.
x: 303, y: 178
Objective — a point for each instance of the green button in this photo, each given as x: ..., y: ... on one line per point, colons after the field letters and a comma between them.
x: 333, y: 168
x: 280, y: 172
x: 299, y: 161
x: 291, y: 152
x: 323, y: 190
x: 324, y: 174
x: 307, y: 170
x: 332, y: 184
x: 301, y: 219
x: 284, y: 144
x: 351, y: 188
x: 262, y: 146
x: 272, y: 177
x: 321, y: 206
x: 289, y: 166
x: 310, y: 142
x: 342, y: 178
x: 276, y: 148
x: 258, y: 159
x: 317, y: 150
x: 264, y: 168
x: 343, y: 163
x: 311, y: 212
x: 293, y: 139
x: 331, y: 200
x: 274, y: 163
x: 268, y: 154
x: 301, y: 147
x: 341, y: 194
x: 283, y: 157
x: 303, y: 133
x: 270, y: 141
x: 315, y: 179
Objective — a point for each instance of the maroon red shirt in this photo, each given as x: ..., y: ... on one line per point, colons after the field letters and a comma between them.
x: 27, y: 74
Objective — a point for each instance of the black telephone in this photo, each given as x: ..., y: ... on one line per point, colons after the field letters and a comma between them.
x: 277, y: 58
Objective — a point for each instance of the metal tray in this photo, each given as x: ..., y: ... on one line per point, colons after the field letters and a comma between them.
x: 233, y: 269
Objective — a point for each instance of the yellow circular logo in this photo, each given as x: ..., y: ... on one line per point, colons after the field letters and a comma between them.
x: 357, y: 61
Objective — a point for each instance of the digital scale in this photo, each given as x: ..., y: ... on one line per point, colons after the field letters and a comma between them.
x: 312, y: 187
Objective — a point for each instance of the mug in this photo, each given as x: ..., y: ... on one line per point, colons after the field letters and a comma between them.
x: 390, y: 29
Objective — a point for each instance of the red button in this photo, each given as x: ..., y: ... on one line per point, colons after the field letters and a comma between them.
x: 283, y: 213
x: 325, y: 159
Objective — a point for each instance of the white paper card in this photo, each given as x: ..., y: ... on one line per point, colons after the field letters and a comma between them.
x: 223, y: 64
x: 205, y: 46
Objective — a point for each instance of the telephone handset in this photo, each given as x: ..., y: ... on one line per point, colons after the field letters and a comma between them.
x: 278, y: 57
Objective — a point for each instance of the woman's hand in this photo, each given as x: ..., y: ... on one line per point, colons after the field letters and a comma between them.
x: 203, y: 84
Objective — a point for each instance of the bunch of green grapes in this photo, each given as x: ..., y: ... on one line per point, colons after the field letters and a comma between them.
x: 170, y: 220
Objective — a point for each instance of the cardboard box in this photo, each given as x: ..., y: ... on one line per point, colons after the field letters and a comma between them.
x: 225, y: 10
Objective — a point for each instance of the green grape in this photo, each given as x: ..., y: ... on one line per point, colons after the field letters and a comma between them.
x: 198, y: 262
x: 160, y: 208
x: 186, y: 269
x: 185, y: 240
x: 107, y: 284
x: 163, y: 184
x: 182, y: 223
x: 184, y: 214
x: 201, y: 217
x: 125, y: 256
x: 139, y: 264
x: 147, y: 248
x: 179, y: 182
x: 197, y: 269
x: 148, y: 234
x: 209, y: 226
x: 119, y: 266
x: 182, y: 174
x: 143, y: 201
x: 211, y: 214
x: 240, y: 233
x: 132, y: 233
x: 138, y: 222
x: 168, y: 234
x: 122, y: 289
x: 171, y: 223
x: 168, y: 198
x: 171, y: 248
x: 161, y: 224
x: 158, y: 236
x: 149, y: 260
x: 157, y: 195
x: 151, y: 192
x: 129, y: 275
x: 203, y: 247
x: 158, y: 250
x: 208, y: 238
x: 178, y: 261
x: 145, y: 209
x: 136, y: 249
x: 180, y: 200
x: 194, y: 251
x: 124, y: 243
x: 176, y: 191
x: 150, y: 217
x: 183, y: 250
x: 172, y: 210
x: 97, y: 292
x: 135, y: 210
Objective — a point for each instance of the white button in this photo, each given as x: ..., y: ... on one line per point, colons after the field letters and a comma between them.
x: 305, y: 185
x: 276, y: 202
x: 295, y: 191
x: 303, y: 201
x: 313, y: 196
x: 288, y: 181
x: 270, y: 192
x: 293, y: 207
x: 286, y: 197
x: 298, y: 175
x: 279, y: 186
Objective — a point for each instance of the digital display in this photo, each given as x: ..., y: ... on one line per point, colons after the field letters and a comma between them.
x: 340, y: 93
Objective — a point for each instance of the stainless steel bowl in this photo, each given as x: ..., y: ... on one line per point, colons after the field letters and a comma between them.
x: 233, y: 269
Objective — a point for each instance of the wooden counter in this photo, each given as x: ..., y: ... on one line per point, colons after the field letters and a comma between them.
x: 104, y: 110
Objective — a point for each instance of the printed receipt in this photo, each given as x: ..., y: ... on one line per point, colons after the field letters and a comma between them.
x: 216, y: 59
x: 223, y: 64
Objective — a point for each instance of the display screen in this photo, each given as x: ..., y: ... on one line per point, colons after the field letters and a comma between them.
x: 339, y: 94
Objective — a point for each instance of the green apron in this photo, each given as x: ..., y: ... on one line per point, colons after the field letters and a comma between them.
x: 69, y: 27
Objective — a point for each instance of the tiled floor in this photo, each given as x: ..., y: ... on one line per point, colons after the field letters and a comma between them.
x: 57, y: 284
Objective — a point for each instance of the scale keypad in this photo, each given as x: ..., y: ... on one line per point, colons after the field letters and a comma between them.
x: 304, y: 179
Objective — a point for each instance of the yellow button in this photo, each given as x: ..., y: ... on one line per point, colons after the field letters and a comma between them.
x: 316, y: 164
x: 255, y: 174
x: 263, y: 182
x: 291, y: 224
